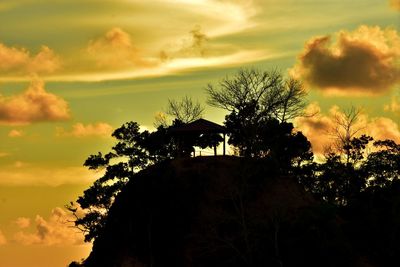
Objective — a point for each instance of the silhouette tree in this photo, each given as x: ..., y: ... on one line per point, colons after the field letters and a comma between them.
x: 339, y: 178
x: 265, y: 93
x: 253, y: 99
x: 347, y: 127
x: 382, y: 166
x: 128, y: 156
x: 185, y: 110
x: 134, y: 151
x: 75, y: 264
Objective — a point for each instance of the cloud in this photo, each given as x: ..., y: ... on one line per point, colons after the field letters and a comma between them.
x: 20, y: 164
x: 33, y: 105
x: 19, y: 61
x: 320, y: 128
x: 115, y: 50
x: 382, y: 128
x: 23, y: 222
x: 364, y: 61
x: 56, y: 230
x: 3, y: 239
x: 395, y: 4
x: 192, y: 46
x: 3, y: 154
x: 393, y: 106
x: 80, y: 130
x: 317, y: 128
x: 29, y: 174
x: 15, y: 133
x: 131, y: 45
x: 225, y: 17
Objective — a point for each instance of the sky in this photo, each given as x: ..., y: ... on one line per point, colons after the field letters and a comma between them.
x: 72, y: 71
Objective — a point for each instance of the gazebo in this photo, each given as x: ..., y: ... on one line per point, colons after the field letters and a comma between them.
x: 198, y: 127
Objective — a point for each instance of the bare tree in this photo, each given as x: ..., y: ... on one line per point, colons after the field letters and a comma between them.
x: 291, y: 100
x: 185, y: 110
x: 273, y: 95
x: 347, y: 126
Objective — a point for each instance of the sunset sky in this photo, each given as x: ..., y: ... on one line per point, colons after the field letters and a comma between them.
x: 71, y: 71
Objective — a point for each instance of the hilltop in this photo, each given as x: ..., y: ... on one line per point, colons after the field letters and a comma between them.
x: 219, y: 211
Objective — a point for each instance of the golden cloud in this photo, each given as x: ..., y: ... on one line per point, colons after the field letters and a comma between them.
x: 317, y: 128
x: 100, y: 129
x: 32, y: 175
x: 3, y: 239
x: 365, y: 61
x: 393, y: 106
x: 192, y: 46
x: 33, y: 105
x: 382, y: 128
x: 122, y: 52
x: 19, y: 61
x: 395, y: 4
x: 115, y: 50
x: 23, y: 222
x: 56, y: 230
x: 15, y: 133
x: 320, y: 129
x: 3, y: 154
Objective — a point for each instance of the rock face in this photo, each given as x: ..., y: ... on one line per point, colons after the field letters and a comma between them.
x: 218, y: 211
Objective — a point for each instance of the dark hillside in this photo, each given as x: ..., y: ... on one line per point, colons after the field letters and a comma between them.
x: 219, y: 211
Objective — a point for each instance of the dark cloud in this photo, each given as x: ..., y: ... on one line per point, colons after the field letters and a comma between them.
x: 365, y: 61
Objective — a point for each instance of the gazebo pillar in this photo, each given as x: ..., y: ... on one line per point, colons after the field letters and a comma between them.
x: 224, y: 145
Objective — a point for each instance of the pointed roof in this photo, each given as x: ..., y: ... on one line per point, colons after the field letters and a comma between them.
x: 200, y: 126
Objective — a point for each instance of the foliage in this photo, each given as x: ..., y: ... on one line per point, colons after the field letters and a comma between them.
x: 127, y: 156
x: 258, y: 102
x: 261, y: 93
x: 266, y: 137
x: 382, y: 166
x: 134, y: 151
x: 339, y: 179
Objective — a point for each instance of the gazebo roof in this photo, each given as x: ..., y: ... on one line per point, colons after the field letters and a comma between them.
x: 200, y: 126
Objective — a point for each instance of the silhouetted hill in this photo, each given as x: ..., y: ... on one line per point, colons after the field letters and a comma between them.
x: 219, y: 211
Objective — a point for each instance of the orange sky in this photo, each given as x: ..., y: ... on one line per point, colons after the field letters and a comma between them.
x: 72, y: 71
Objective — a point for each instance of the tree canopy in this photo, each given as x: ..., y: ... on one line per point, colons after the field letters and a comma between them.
x: 260, y: 103
x: 262, y: 93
